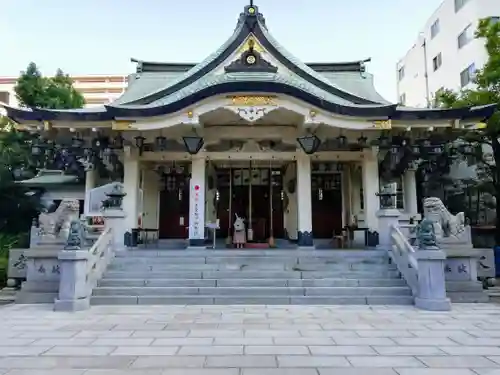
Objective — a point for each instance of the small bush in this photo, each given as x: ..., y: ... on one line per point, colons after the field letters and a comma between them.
x: 7, y: 242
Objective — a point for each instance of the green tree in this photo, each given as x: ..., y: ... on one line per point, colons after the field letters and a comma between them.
x: 482, y: 145
x: 36, y: 91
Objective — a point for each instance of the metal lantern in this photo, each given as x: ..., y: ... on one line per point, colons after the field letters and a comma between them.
x: 139, y: 141
x: 342, y: 141
x: 309, y: 144
x: 161, y: 143
x: 415, y: 148
x: 394, y: 149
x: 362, y: 141
x: 193, y: 144
x: 118, y: 142
x: 77, y: 143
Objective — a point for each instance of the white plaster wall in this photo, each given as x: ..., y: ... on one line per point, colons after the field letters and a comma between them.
x: 151, y: 196
x: 290, y: 213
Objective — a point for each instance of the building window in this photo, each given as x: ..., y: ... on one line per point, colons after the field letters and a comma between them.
x: 402, y: 99
x: 459, y: 4
x: 464, y: 37
x: 467, y: 75
x: 401, y: 73
x: 437, y: 61
x: 435, y: 29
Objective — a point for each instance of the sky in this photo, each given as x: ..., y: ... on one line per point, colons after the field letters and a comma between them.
x: 101, y: 36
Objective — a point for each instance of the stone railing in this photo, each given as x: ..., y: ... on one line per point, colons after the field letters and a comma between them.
x: 81, y: 270
x: 423, y: 270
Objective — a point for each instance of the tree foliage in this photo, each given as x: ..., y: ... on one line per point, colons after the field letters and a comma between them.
x: 482, y: 145
x: 36, y: 91
x: 18, y: 206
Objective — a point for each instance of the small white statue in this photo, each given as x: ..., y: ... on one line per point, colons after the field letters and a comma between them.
x: 239, y: 235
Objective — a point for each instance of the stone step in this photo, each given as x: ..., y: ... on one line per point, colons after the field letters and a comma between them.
x: 252, y: 291
x: 251, y: 300
x: 250, y: 274
x: 147, y: 282
x: 267, y: 253
x: 247, y: 260
x: 251, y: 266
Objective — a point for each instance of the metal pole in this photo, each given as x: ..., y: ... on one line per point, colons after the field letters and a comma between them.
x: 230, y: 209
x: 271, y: 234
x: 250, y: 230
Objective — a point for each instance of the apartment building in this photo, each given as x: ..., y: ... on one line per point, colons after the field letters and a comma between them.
x: 96, y: 89
x: 445, y: 54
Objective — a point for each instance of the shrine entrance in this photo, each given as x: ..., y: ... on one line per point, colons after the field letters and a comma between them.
x: 326, y: 189
x: 254, y: 194
x: 174, y: 204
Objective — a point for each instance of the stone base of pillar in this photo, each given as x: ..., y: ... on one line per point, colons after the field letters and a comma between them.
x: 442, y: 304
x: 196, y: 242
x: 72, y: 305
x: 386, y: 219
x: 305, y: 239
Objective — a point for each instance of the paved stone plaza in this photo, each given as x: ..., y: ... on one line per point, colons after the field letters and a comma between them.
x: 250, y: 340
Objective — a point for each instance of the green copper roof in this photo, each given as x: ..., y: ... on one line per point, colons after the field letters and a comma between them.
x: 49, y: 177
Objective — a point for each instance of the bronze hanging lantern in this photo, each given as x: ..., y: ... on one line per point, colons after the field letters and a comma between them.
x: 309, y: 143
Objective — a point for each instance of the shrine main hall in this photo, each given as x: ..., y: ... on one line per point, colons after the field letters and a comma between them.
x: 299, y: 150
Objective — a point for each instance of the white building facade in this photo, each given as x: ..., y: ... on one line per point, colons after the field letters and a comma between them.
x: 298, y: 150
x: 445, y: 54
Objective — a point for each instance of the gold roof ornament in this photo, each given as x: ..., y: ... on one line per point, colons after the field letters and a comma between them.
x: 253, y: 100
x: 383, y: 125
x: 252, y: 44
x: 121, y: 125
x: 47, y: 125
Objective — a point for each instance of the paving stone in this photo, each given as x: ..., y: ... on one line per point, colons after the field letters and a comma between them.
x: 302, y: 341
x: 215, y: 333
x: 100, y: 362
x: 385, y: 361
x: 209, y: 350
x: 164, y: 362
x: 385, y: 333
x: 356, y: 371
x: 79, y: 351
x: 204, y: 371
x: 145, y: 350
x: 486, y: 371
x: 408, y: 350
x: 424, y: 341
x: 246, y: 340
x: 434, y: 371
x: 123, y: 342
x: 62, y: 342
x: 15, y: 342
x: 276, y: 350
x: 122, y: 372
x: 243, y: 361
x: 160, y: 334
x: 363, y: 341
x: 272, y: 333
x: 456, y: 361
x: 342, y: 350
x: 103, y: 334
x: 279, y: 371
x: 471, y: 350
x: 186, y: 341
x: 312, y: 361
x: 45, y: 372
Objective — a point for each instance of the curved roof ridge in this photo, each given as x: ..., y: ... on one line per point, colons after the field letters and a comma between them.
x: 299, y: 64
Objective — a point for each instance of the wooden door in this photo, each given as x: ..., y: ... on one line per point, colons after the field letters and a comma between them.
x: 326, y: 205
x: 174, y: 207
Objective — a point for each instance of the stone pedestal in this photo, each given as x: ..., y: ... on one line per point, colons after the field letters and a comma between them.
x: 42, y: 276
x: 74, y: 294
x: 115, y: 219
x: 386, y: 219
x: 431, y: 281
x: 461, y: 275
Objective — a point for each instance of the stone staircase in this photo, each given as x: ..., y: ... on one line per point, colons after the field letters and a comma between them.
x: 274, y: 277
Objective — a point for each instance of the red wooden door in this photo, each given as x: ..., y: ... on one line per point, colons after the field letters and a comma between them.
x: 326, y: 205
x: 174, y: 208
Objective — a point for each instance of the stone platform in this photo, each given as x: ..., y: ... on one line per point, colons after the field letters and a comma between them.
x: 250, y: 340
